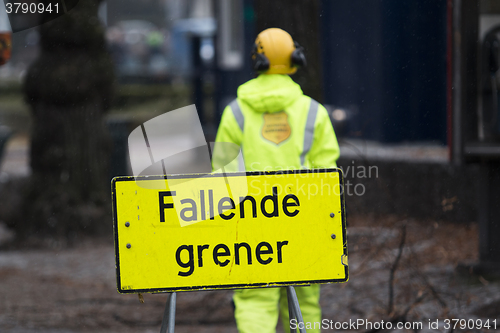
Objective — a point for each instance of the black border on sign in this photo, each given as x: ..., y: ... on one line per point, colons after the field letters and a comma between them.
x: 226, y: 286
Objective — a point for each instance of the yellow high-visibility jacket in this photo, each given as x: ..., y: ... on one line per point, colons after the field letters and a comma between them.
x: 277, y: 127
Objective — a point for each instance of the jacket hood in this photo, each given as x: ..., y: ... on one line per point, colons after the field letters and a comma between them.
x: 269, y: 92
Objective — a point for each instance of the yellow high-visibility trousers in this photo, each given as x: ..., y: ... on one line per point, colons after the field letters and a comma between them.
x: 256, y: 310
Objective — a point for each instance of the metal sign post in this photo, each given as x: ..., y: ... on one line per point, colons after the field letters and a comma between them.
x: 168, y: 322
x: 294, y: 309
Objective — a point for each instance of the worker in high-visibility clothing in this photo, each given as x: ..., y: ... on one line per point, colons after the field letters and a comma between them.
x: 277, y: 128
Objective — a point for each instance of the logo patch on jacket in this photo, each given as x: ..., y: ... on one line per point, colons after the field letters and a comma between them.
x: 276, y: 127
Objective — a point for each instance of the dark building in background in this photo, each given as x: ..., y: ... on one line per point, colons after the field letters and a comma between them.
x: 384, y: 62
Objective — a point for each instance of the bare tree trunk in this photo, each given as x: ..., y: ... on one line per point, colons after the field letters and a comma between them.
x: 301, y: 19
x: 68, y: 88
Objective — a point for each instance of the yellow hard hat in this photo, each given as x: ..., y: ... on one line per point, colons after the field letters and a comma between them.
x: 275, y: 52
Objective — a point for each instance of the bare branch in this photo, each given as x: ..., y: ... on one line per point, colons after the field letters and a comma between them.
x: 390, y: 306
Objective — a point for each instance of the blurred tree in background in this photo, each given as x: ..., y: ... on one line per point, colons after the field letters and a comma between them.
x: 300, y: 19
x: 68, y: 89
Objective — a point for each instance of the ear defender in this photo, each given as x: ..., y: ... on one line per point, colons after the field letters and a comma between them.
x: 298, y: 56
x: 260, y: 61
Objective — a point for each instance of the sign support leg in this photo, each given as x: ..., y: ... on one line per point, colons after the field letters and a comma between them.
x: 294, y: 309
x: 168, y: 322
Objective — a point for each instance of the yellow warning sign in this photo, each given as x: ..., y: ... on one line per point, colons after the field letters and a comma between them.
x: 234, y: 230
